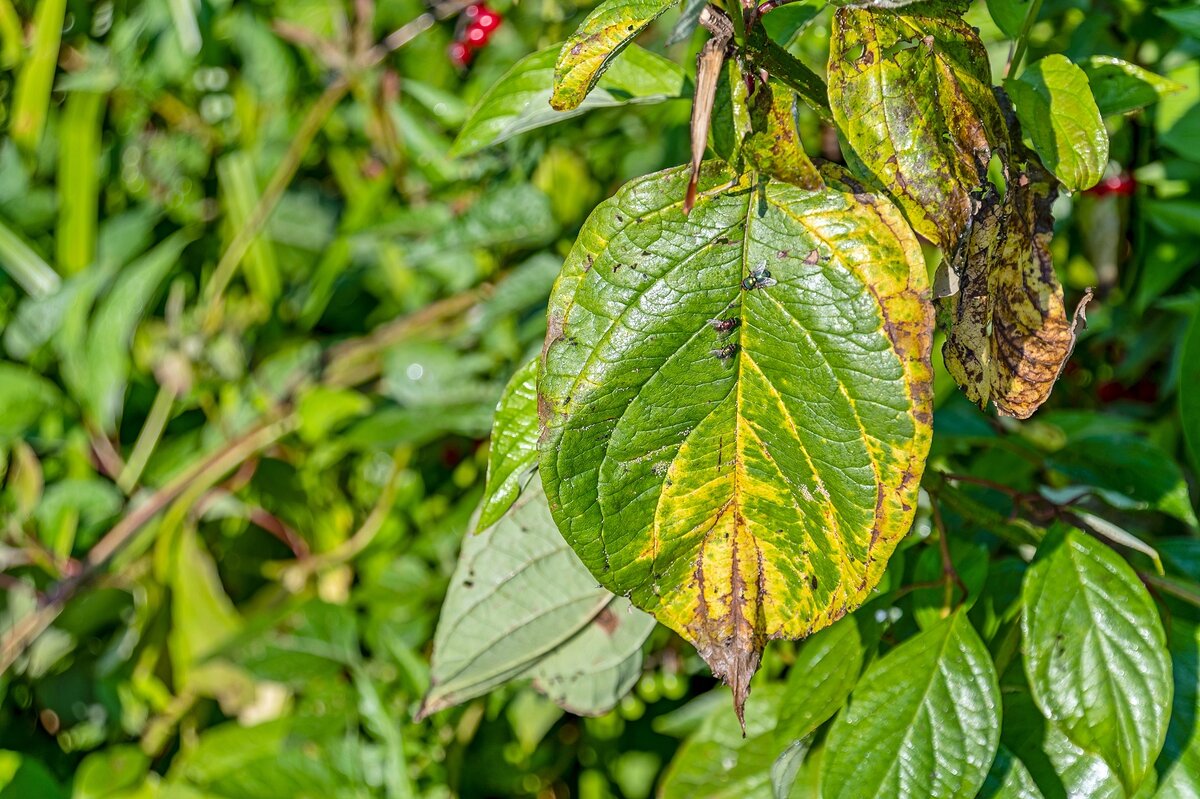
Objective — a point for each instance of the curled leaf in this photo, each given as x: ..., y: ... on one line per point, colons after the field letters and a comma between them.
x: 1008, y: 334
x: 736, y: 404
x: 591, y: 48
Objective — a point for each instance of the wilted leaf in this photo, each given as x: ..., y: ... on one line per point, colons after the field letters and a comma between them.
x: 520, y: 101
x: 695, y: 372
x: 1008, y: 335
x: 1057, y: 111
x: 1095, y: 653
x: 773, y: 145
x: 912, y: 94
x: 924, y: 722
x: 513, y: 452
x: 1120, y: 87
x: 592, y: 47
x: 518, y: 600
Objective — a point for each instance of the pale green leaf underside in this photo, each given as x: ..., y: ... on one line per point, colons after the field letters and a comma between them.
x: 520, y: 604
x: 1054, y: 103
x: 596, y: 42
x: 1095, y: 653
x: 738, y: 457
x: 911, y: 92
x: 520, y: 101
x: 513, y: 452
x: 924, y: 722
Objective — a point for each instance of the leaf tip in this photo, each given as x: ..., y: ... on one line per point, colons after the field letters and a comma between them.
x: 734, y: 661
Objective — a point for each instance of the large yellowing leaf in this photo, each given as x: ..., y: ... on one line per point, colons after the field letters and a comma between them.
x: 1008, y: 331
x: 912, y: 94
x: 591, y: 48
x: 736, y: 404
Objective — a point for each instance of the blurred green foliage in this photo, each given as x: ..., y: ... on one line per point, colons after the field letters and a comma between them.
x: 256, y: 320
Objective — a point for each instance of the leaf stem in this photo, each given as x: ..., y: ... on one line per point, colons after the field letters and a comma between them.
x: 1014, y: 62
x: 147, y: 440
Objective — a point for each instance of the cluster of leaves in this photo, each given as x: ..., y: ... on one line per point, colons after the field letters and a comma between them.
x: 264, y: 274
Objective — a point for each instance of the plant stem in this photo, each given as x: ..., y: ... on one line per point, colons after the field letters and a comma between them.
x: 280, y: 179
x: 1014, y: 63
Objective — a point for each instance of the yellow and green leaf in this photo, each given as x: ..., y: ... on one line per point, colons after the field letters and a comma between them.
x: 736, y: 404
x: 912, y: 94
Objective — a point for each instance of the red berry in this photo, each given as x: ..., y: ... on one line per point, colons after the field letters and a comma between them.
x: 470, y: 12
x: 460, y: 54
x: 476, y: 35
x: 487, y: 21
x: 1116, y: 184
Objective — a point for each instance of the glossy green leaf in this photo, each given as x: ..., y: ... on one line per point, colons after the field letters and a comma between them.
x: 520, y: 604
x: 595, y: 43
x: 924, y: 722
x: 1054, y: 103
x: 695, y: 371
x: 1120, y: 87
x: 1179, y: 763
x: 513, y: 453
x: 719, y: 762
x: 1008, y: 335
x: 1128, y: 472
x: 520, y: 101
x: 1057, y: 767
x: 912, y: 94
x: 1095, y: 653
x: 825, y: 671
x: 1009, y: 779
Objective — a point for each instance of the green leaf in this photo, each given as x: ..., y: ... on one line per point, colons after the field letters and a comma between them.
x: 110, y: 770
x: 25, y: 397
x: 519, y: 101
x: 695, y: 371
x: 1058, y: 767
x: 1009, y: 15
x: 1189, y: 388
x: 513, y: 453
x: 825, y: 672
x: 1120, y: 87
x: 1054, y: 103
x: 1009, y: 779
x: 1095, y: 653
x: 519, y: 597
x: 924, y: 721
x: 912, y: 95
x: 22, y: 776
x: 1185, y: 19
x: 1180, y: 761
x: 1128, y: 472
x: 590, y: 673
x: 595, y: 43
x: 719, y: 762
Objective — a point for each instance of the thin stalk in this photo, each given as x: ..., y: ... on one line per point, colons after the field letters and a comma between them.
x: 282, y: 177
x: 1014, y: 63
x: 147, y: 440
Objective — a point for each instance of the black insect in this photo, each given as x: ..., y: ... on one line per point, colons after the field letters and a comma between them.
x: 725, y: 354
x: 759, y: 278
x: 724, y: 326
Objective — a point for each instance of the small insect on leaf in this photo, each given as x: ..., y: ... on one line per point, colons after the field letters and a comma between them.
x: 725, y: 354
x: 759, y: 278
x: 724, y: 326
